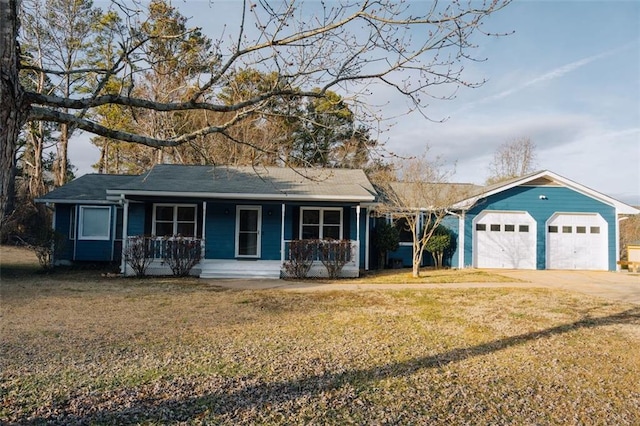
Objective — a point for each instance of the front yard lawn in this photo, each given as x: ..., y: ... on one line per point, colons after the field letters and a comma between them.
x: 77, y: 348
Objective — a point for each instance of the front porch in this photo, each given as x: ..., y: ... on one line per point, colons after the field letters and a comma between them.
x: 159, y: 253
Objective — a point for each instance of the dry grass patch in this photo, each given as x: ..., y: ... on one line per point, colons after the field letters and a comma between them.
x: 126, y: 351
x: 432, y: 276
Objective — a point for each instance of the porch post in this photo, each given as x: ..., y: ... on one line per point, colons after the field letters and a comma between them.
x: 366, y: 239
x: 461, y: 240
x: 204, y: 223
x: 358, y: 234
x: 125, y: 236
x: 282, y: 247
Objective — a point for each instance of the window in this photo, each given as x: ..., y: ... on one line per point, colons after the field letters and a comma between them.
x: 566, y: 229
x: 178, y: 219
x: 581, y: 229
x: 595, y: 230
x: 95, y: 223
x: 481, y: 227
x: 404, y: 230
x: 523, y: 228
x: 553, y: 229
x: 323, y: 223
x: 495, y: 228
x: 509, y: 228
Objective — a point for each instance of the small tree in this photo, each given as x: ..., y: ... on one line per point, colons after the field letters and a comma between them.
x: 385, y: 238
x: 439, y: 242
x: 422, y: 196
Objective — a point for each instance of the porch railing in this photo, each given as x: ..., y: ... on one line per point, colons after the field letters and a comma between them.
x: 315, y: 251
x: 160, y: 248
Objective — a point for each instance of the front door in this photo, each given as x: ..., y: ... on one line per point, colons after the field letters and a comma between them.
x: 248, y: 220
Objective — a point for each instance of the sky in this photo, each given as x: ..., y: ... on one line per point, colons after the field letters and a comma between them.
x: 568, y: 78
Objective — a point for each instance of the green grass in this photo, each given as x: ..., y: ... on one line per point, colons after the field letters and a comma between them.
x: 79, y: 348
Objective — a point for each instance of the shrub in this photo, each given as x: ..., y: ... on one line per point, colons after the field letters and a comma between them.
x: 137, y: 254
x: 439, y: 242
x: 182, y: 254
x: 334, y: 255
x: 386, y: 238
x: 300, y: 258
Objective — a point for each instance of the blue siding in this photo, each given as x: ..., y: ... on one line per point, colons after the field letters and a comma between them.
x: 135, y: 222
x: 78, y: 249
x: 65, y: 248
x: 220, y: 231
x: 221, y: 223
x: 558, y: 199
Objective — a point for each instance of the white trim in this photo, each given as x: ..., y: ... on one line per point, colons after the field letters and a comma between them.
x: 111, y: 194
x: 175, y: 218
x: 203, y: 240
x: 321, y: 224
x: 81, y: 235
x: 366, y: 239
x: 258, y: 231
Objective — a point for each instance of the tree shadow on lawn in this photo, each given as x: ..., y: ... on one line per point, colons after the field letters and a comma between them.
x: 144, y: 407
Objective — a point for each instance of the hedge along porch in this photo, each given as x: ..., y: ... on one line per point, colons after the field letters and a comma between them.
x: 245, y: 218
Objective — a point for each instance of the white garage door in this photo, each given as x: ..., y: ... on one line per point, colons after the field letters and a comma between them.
x: 577, y: 241
x: 505, y: 240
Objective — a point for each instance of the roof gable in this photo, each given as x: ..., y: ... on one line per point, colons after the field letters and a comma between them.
x: 546, y: 178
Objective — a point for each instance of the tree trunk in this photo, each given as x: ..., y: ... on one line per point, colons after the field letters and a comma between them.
x: 13, y: 111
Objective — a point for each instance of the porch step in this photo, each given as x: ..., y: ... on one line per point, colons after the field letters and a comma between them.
x: 233, y: 268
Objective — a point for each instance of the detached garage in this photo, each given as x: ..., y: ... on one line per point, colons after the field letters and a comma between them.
x: 540, y: 221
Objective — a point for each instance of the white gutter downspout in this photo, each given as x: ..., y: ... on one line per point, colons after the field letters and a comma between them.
x: 125, y: 236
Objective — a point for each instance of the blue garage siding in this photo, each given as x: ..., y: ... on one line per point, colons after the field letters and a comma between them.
x: 558, y: 199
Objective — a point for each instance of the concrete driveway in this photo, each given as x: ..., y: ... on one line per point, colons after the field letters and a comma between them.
x: 616, y: 286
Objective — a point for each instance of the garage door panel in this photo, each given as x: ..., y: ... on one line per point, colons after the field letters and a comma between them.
x: 505, y: 240
x: 577, y: 241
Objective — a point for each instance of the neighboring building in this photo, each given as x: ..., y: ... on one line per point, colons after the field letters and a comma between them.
x: 245, y: 218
